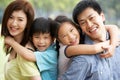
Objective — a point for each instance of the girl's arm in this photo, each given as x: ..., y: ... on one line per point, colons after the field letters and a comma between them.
x: 23, y: 51
x: 85, y: 49
x: 95, y: 48
x: 113, y: 30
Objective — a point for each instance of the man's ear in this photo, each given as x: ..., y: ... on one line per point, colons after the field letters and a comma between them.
x: 103, y: 16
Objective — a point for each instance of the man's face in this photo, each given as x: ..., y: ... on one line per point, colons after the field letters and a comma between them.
x: 91, y: 23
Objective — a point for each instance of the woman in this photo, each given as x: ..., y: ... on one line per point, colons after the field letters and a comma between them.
x: 16, y: 23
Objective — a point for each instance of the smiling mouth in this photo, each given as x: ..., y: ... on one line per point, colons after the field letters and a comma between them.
x: 93, y: 30
x: 73, y: 43
x: 13, y: 29
x: 41, y: 46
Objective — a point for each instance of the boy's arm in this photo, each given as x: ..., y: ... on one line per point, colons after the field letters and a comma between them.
x: 113, y: 30
x: 23, y: 51
x: 85, y: 49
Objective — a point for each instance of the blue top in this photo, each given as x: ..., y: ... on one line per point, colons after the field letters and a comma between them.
x: 47, y: 63
x: 92, y: 67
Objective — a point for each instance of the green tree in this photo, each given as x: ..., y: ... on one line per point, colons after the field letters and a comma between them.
x: 112, y: 11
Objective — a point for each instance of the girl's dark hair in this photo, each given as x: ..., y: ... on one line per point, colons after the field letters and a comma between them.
x: 62, y: 19
x: 17, y: 5
x: 56, y: 25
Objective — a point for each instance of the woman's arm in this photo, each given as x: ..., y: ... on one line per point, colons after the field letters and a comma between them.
x: 85, y: 49
x: 23, y: 51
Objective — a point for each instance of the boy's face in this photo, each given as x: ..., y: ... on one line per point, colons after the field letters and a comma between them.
x: 68, y: 34
x: 91, y: 23
x: 42, y: 41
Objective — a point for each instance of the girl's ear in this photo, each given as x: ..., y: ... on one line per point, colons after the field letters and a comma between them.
x: 54, y: 39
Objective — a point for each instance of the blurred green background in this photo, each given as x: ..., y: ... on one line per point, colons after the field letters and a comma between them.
x: 53, y: 8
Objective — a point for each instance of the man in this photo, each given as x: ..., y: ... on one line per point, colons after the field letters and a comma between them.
x: 88, y: 14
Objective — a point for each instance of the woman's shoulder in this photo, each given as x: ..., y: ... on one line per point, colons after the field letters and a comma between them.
x: 30, y: 46
x: 1, y: 38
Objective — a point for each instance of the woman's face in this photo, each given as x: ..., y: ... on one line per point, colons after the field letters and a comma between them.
x: 17, y: 23
x: 68, y: 34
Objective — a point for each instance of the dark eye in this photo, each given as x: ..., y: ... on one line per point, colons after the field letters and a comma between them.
x: 46, y: 37
x: 36, y: 37
x: 71, y: 30
x: 20, y: 19
x: 92, y: 17
x: 11, y: 17
x: 82, y: 23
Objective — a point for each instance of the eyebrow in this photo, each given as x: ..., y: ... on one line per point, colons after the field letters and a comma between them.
x: 60, y: 35
x: 87, y: 17
x: 21, y: 17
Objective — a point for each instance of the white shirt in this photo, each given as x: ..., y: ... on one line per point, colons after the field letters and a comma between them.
x: 63, y: 61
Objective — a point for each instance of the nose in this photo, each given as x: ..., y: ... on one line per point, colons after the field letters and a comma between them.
x: 14, y: 23
x: 89, y: 23
x: 71, y: 36
x: 41, y: 41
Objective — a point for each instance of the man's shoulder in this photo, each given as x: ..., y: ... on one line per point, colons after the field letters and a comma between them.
x: 86, y: 58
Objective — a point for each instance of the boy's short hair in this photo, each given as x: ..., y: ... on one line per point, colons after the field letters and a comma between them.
x: 41, y: 25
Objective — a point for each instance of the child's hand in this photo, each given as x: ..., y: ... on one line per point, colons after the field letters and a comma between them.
x: 9, y: 40
x: 109, y: 51
x: 118, y: 42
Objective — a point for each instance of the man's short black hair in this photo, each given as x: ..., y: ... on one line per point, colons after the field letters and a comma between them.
x: 82, y: 5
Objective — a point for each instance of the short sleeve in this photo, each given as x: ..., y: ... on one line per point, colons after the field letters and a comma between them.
x: 46, y: 60
x: 27, y: 68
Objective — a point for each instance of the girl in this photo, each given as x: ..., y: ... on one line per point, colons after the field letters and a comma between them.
x: 16, y: 23
x: 67, y: 34
x: 45, y: 55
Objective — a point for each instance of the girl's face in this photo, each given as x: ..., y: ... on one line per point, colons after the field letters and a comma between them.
x: 68, y: 34
x: 16, y: 23
x: 42, y: 41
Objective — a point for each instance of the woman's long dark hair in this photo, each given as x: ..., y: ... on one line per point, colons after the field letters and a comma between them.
x: 17, y: 5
